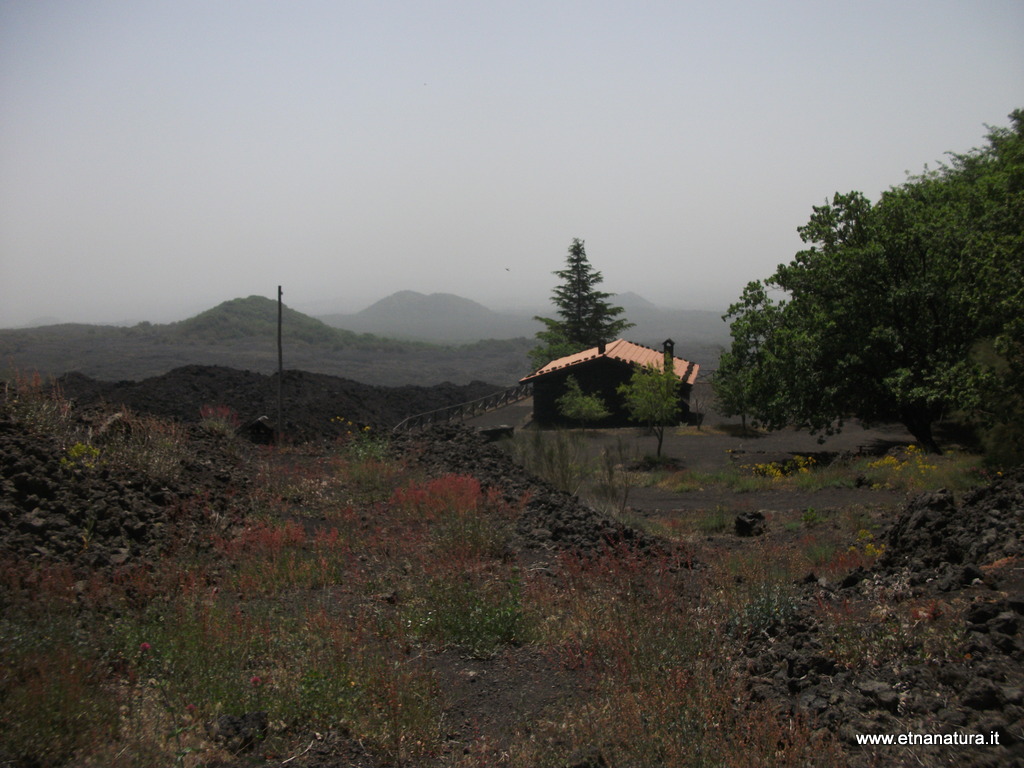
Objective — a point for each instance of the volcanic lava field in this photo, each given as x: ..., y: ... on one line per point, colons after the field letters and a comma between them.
x: 174, y: 593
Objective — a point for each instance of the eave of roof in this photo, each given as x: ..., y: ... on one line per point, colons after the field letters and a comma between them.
x: 624, y: 351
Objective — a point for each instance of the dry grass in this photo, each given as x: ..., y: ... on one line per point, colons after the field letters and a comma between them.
x: 352, y: 572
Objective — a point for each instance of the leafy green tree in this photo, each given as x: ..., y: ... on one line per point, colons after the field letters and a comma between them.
x: 739, y: 380
x: 652, y: 398
x: 579, y: 406
x: 989, y: 187
x: 862, y: 330
x: 585, y: 317
x: 878, y: 318
x: 1000, y: 413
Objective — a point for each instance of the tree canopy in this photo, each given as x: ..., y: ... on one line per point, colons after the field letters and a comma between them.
x: 579, y: 406
x: 886, y: 314
x: 585, y: 316
x: 652, y: 398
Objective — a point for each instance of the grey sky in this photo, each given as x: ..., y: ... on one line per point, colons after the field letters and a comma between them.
x: 157, y: 158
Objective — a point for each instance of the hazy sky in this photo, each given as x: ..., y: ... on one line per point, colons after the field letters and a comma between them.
x: 157, y: 158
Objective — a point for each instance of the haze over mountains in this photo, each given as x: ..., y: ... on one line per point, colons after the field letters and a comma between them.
x: 405, y: 338
x: 450, y: 319
x: 437, y: 317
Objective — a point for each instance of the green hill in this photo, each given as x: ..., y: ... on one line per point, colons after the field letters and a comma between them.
x: 256, y: 316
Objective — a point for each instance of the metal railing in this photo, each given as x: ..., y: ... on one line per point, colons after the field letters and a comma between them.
x: 464, y: 411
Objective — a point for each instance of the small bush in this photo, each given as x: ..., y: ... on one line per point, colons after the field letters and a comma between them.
x: 911, y: 469
x: 715, y: 521
x: 889, y: 633
x: 143, y: 444
x: 464, y: 521
x: 577, y: 406
x: 819, y: 553
x: 777, y: 470
x: 614, y: 481
x: 812, y: 517
x: 81, y: 454
x: 140, y: 444
x: 362, y: 443
x: 220, y: 419
x: 477, y: 616
x: 766, y: 607
x: 558, y: 457
x: 757, y: 592
x: 41, y: 407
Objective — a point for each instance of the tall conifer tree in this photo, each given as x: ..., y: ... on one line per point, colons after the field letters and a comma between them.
x: 585, y: 317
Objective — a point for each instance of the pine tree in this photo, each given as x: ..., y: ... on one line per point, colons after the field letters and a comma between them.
x: 586, y: 318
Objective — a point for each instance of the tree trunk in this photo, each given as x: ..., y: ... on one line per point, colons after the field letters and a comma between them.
x: 920, y: 426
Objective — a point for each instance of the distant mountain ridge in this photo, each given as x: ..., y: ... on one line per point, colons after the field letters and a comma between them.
x: 415, y: 339
x: 242, y: 333
x: 447, y: 318
x: 436, y: 317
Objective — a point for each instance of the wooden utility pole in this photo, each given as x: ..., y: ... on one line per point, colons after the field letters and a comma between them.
x: 280, y: 370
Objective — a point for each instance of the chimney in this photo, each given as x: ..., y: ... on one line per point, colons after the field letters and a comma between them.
x: 601, y: 347
x: 668, y: 347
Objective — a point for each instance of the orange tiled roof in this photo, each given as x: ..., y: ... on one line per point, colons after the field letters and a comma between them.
x: 627, y: 352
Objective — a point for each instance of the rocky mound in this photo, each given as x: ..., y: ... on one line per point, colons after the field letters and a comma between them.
x: 935, y: 535
x: 552, y: 519
x: 929, y: 641
x: 315, y: 405
x: 56, y: 506
x: 93, y: 513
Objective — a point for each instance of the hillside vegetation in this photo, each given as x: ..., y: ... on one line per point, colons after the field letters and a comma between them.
x: 256, y: 317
